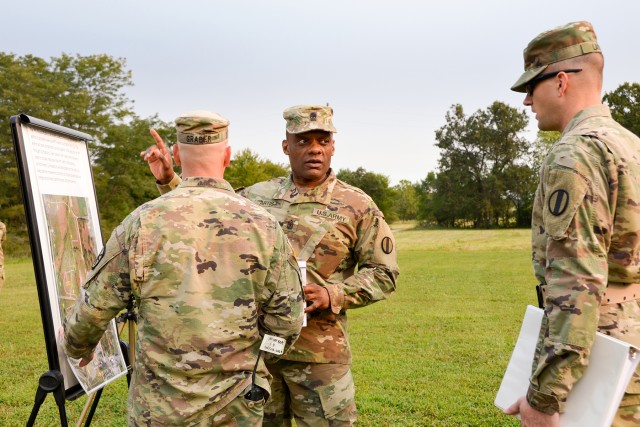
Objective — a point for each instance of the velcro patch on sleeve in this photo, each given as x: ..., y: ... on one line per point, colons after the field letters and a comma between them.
x: 565, y: 192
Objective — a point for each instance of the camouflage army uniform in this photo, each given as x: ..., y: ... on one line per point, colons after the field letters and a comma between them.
x: 585, y: 236
x: 210, y: 273
x: 3, y: 237
x: 349, y: 250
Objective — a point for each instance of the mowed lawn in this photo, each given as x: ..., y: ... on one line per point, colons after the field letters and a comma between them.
x: 431, y: 355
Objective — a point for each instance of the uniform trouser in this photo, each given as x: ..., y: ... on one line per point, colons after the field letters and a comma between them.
x: 627, y: 416
x: 315, y: 394
x: 622, y: 321
x: 240, y: 412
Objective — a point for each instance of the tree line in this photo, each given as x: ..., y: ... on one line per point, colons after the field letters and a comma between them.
x: 486, y: 175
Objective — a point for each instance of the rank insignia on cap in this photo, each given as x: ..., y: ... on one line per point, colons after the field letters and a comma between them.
x: 304, y: 118
x: 558, y: 202
x: 387, y: 245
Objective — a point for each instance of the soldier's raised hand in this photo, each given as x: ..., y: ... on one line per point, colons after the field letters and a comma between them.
x: 159, y: 159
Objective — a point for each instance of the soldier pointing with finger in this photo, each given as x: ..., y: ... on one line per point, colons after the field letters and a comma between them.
x: 351, y: 262
x: 211, y: 274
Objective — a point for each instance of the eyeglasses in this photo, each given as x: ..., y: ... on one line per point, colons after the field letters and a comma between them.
x: 537, y: 79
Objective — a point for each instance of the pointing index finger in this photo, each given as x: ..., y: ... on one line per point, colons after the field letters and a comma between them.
x: 158, y: 139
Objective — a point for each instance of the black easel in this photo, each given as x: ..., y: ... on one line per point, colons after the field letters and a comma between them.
x: 50, y: 382
x: 22, y: 127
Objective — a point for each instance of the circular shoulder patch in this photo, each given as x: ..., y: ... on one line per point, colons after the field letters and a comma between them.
x: 558, y: 202
x: 387, y: 245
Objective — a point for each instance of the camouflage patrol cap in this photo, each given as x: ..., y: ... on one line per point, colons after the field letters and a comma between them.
x: 201, y: 127
x: 558, y: 44
x: 303, y: 118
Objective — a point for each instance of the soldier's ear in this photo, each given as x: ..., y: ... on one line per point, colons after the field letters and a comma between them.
x: 227, y: 156
x: 285, y: 147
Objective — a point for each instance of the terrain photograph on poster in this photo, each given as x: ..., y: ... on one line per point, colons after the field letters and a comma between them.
x: 73, y: 252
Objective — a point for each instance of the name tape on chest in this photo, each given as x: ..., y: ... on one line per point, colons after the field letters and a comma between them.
x: 331, y: 215
x: 268, y: 203
x: 272, y: 344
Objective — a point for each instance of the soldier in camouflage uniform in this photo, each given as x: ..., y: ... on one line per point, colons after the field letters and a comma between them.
x: 210, y: 272
x: 351, y: 262
x: 3, y: 237
x: 585, y: 223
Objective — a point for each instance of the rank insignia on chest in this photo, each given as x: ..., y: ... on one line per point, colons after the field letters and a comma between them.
x: 331, y: 215
x: 289, y: 225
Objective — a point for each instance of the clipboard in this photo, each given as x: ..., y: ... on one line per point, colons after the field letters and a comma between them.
x: 594, y: 399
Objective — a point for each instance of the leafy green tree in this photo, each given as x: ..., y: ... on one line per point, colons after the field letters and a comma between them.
x: 247, y: 168
x: 479, y: 156
x: 425, y: 191
x: 80, y: 92
x: 624, y: 103
x: 522, y: 180
x: 122, y: 179
x: 406, y: 200
x: 375, y: 185
x: 541, y: 146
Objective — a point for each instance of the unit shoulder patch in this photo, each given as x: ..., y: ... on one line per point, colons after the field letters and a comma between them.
x: 565, y: 193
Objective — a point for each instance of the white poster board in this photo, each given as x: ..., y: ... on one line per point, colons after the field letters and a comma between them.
x: 65, y: 237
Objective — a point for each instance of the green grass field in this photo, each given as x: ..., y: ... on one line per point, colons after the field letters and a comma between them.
x: 432, y: 355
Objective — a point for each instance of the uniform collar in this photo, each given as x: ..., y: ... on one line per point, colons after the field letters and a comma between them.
x: 320, y: 194
x: 587, y: 113
x: 200, y: 181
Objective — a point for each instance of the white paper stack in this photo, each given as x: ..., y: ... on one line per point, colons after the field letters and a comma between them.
x: 593, y: 401
x: 303, y: 277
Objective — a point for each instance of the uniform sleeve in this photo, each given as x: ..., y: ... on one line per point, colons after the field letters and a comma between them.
x: 243, y: 191
x: 574, y: 277
x: 165, y: 188
x: 377, y: 261
x: 104, y: 294
x: 282, y: 314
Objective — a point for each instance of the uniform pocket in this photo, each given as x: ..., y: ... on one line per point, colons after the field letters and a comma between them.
x: 337, y: 397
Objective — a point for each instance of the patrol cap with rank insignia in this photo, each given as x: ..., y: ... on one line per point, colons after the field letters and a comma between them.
x: 305, y: 118
x: 201, y: 127
x: 565, y: 42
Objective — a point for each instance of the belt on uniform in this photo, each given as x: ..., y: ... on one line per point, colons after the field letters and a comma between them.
x: 620, y: 292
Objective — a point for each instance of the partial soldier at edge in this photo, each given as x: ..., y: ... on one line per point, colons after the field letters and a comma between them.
x: 585, y: 222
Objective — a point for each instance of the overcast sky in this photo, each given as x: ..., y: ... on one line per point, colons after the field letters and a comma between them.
x: 390, y: 69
